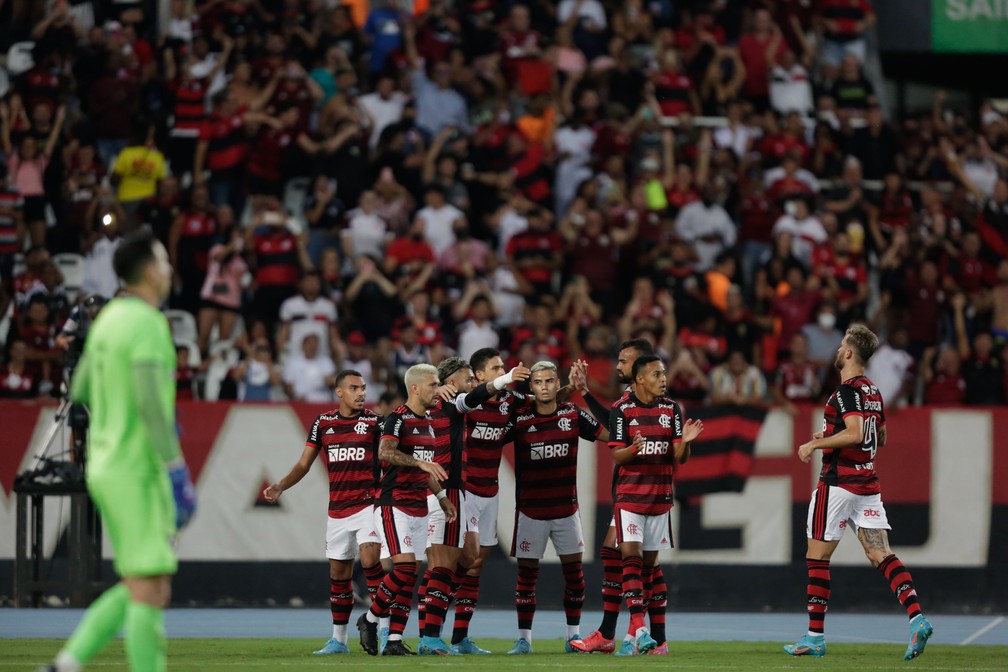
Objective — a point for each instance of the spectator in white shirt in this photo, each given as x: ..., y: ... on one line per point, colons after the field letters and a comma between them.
x: 573, y: 144
x: 790, y: 88
x: 358, y: 358
x: 891, y: 369
x: 440, y: 219
x: 807, y: 232
x: 478, y: 331
x: 310, y: 375
x: 99, y: 276
x: 590, y: 11
x: 367, y: 232
x: 384, y: 106
x: 309, y: 313
x: 736, y: 136
x: 706, y: 226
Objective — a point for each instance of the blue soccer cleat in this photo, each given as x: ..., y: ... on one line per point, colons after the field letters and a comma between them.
x: 383, y: 634
x: 433, y: 646
x: 468, y: 647
x: 644, y: 643
x: 522, y: 646
x: 570, y: 648
x: 920, y: 633
x: 627, y: 648
x: 332, y: 646
x: 808, y: 646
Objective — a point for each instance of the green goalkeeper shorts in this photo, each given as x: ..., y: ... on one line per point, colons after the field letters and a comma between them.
x: 139, y: 516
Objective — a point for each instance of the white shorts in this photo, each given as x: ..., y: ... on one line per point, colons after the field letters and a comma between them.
x: 531, y: 535
x: 345, y: 535
x: 441, y: 532
x: 832, y: 509
x: 400, y: 532
x: 654, y: 533
x: 481, y: 516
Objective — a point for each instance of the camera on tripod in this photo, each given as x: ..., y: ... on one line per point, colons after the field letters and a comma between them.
x: 61, y: 460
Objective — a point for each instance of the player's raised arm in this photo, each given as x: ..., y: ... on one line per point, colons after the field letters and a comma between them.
x: 482, y: 393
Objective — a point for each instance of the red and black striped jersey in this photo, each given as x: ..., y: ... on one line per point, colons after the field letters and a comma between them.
x: 11, y: 205
x: 405, y: 488
x: 228, y: 145
x: 350, y: 445
x: 546, y: 448
x: 449, y: 442
x: 190, y: 107
x: 853, y: 467
x: 644, y: 485
x: 487, y: 427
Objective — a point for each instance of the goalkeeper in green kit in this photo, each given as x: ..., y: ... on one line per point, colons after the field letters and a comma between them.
x: 135, y: 471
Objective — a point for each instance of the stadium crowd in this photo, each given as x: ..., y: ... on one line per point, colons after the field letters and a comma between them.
x: 343, y: 186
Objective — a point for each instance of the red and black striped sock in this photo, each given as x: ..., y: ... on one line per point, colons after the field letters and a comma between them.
x: 574, y: 591
x: 645, y: 577
x: 399, y: 610
x: 633, y: 590
x: 612, y: 590
x: 818, y: 594
x: 657, y: 601
x: 438, y: 594
x: 374, y: 575
x: 525, y: 596
x: 421, y: 603
x: 388, y: 591
x: 901, y: 584
x: 340, y: 600
x: 465, y: 606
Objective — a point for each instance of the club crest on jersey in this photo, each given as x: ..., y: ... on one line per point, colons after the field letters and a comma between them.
x: 665, y: 421
x: 361, y: 427
x: 565, y: 424
x: 504, y: 408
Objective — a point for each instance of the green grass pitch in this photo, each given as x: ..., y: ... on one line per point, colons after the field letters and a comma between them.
x: 203, y: 655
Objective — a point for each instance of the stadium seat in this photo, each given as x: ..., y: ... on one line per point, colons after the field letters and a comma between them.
x: 72, y: 267
x: 183, y: 325
x: 195, y: 359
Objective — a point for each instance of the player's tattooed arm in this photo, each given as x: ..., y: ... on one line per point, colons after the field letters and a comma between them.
x: 882, y: 436
x: 874, y: 540
x: 388, y: 454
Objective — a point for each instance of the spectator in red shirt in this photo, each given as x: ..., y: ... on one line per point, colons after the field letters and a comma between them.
x: 541, y: 335
x: 537, y: 252
x: 192, y: 235
x: 279, y: 255
x: 16, y: 381
x: 753, y: 47
x: 673, y: 89
x: 798, y: 379
x: 406, y: 256
x: 925, y: 305
x: 794, y: 309
x: 943, y: 384
x: 521, y: 50
x: 844, y: 23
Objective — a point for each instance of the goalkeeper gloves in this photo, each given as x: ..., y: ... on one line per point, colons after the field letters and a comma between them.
x: 184, y: 492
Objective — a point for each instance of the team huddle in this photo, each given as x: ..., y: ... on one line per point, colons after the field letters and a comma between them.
x: 423, y: 483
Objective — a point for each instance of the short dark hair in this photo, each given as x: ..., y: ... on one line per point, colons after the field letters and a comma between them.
x: 862, y: 341
x: 641, y: 362
x: 479, y: 359
x: 346, y: 373
x: 641, y: 345
x: 449, y: 366
x: 134, y: 254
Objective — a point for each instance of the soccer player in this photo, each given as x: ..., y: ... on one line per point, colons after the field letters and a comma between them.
x: 348, y: 437
x: 135, y: 472
x: 849, y: 495
x: 486, y: 427
x: 649, y: 438
x: 446, y: 539
x: 546, y: 436
x: 603, y: 640
x: 407, y: 447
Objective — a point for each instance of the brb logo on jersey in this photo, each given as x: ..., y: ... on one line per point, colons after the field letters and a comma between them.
x: 361, y: 427
x: 424, y: 455
x: 487, y: 433
x: 654, y: 448
x: 549, y: 451
x: 565, y: 424
x: 347, y: 454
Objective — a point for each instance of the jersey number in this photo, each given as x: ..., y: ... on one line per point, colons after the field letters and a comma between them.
x: 870, y: 436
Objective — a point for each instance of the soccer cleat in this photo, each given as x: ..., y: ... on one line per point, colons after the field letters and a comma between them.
x: 397, y: 647
x: 332, y: 646
x: 660, y: 650
x: 382, y: 639
x: 569, y: 646
x: 807, y: 646
x: 645, y: 642
x: 368, y: 635
x: 594, y: 643
x: 467, y: 647
x: 627, y: 648
x: 521, y: 646
x: 920, y: 633
x: 433, y: 646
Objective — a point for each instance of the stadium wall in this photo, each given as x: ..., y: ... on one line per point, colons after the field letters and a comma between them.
x: 944, y: 474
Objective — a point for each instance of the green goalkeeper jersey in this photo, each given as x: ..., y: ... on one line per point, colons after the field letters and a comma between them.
x: 127, y: 334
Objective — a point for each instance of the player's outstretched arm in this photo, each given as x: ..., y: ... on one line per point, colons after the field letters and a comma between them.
x: 294, y: 476
x: 472, y: 400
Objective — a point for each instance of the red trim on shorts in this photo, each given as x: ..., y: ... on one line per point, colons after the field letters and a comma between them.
x: 514, y: 536
x: 820, y: 512
x: 391, y: 538
x: 619, y: 527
